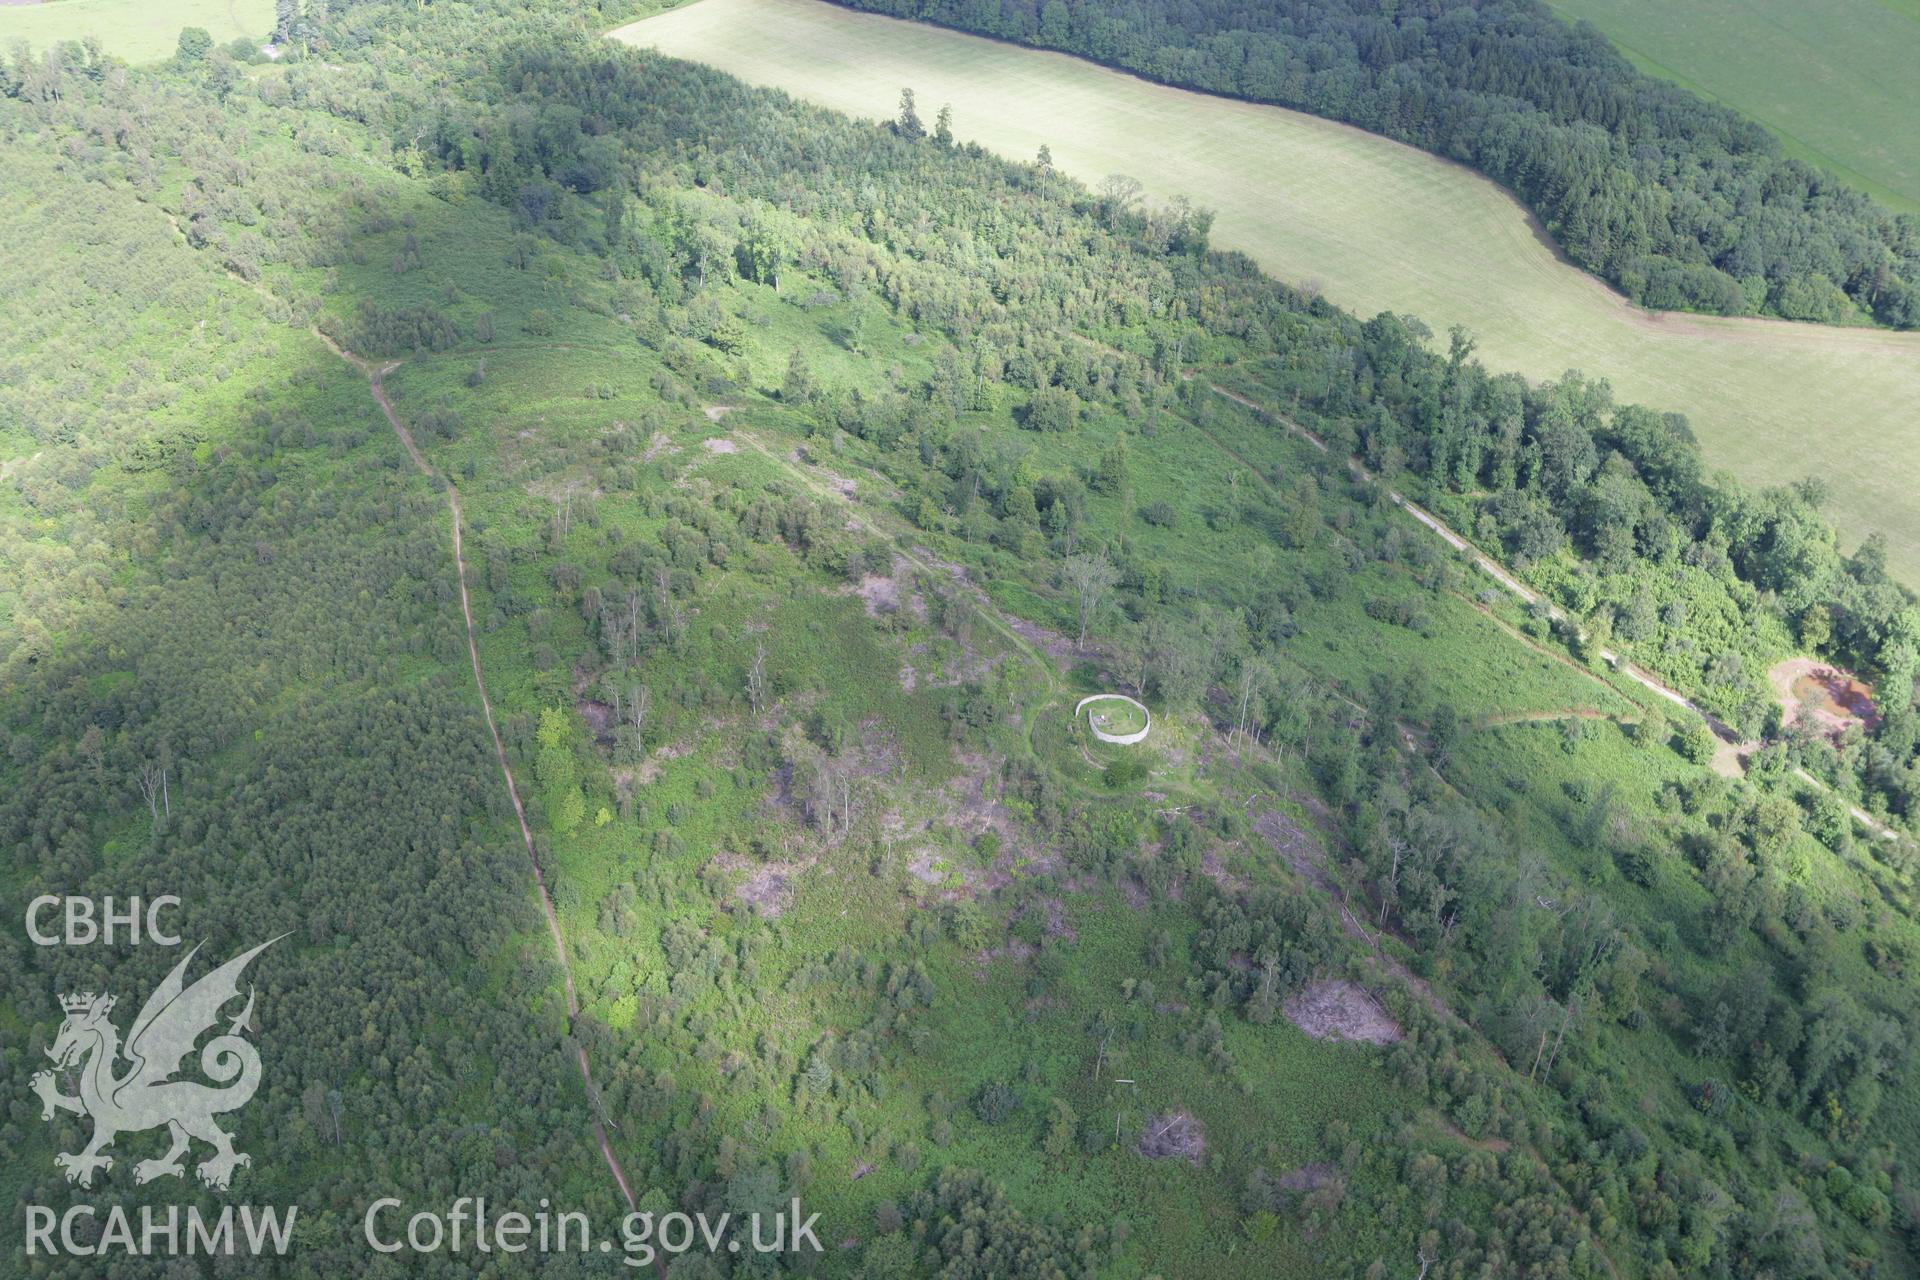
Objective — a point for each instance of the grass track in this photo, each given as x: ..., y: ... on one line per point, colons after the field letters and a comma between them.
x: 1383, y: 227
x: 137, y: 30
x: 1834, y: 78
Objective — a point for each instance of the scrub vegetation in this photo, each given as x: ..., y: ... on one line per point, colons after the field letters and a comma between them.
x: 808, y: 472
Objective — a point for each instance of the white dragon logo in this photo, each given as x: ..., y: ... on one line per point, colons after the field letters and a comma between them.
x: 146, y: 1096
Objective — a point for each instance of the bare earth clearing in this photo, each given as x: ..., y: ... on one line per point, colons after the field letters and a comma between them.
x: 1174, y: 1136
x: 1379, y: 226
x: 1339, y: 1010
x: 1823, y: 693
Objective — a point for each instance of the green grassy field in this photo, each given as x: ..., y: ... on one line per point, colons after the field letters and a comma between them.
x: 1378, y: 226
x: 132, y: 29
x: 1828, y: 76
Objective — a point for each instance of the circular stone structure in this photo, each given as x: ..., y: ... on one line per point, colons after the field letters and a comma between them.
x: 1093, y: 721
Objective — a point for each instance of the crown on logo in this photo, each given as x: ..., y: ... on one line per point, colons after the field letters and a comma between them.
x: 83, y: 1001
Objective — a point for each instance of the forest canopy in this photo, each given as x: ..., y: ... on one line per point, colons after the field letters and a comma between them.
x: 1680, y: 203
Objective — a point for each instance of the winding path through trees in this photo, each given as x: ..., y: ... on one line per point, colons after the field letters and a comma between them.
x: 376, y: 383
x: 1499, y: 573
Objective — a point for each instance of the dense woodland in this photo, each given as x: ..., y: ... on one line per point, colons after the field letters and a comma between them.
x: 1655, y: 1021
x: 1680, y: 203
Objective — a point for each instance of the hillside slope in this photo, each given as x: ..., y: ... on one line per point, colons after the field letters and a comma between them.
x: 808, y: 475
x: 1374, y: 225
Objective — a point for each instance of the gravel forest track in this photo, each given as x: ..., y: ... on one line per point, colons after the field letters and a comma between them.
x: 1727, y: 763
x: 1485, y: 563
